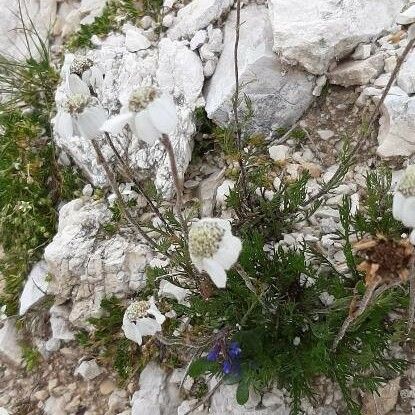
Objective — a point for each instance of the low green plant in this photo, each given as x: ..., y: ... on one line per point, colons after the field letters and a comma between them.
x: 31, y: 183
x: 31, y: 358
x: 113, y: 16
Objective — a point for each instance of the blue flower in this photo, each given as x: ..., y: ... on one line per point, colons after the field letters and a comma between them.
x: 234, y: 350
x: 213, y: 355
x: 227, y: 367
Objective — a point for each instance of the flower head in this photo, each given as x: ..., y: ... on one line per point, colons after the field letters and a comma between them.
x: 142, y: 318
x: 213, y: 355
x: 79, y: 113
x: 85, y: 68
x: 404, y: 200
x: 213, y: 248
x: 149, y: 113
x: 234, y: 350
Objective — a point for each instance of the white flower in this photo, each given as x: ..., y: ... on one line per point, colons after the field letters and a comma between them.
x: 142, y: 318
x: 148, y: 113
x: 85, y: 68
x: 80, y: 113
x: 213, y: 248
x: 404, y: 201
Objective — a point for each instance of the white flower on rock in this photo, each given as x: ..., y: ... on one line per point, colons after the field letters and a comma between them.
x: 149, y: 114
x: 213, y: 248
x: 142, y: 318
x: 80, y: 113
x: 404, y: 201
x: 83, y: 67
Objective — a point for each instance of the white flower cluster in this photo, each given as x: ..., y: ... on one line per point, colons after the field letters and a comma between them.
x: 142, y: 318
x: 404, y: 201
x: 148, y: 112
x: 213, y: 248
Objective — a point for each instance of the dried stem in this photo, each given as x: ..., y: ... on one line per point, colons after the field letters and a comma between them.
x: 236, y: 101
x: 353, y: 315
x: 411, y: 311
x: 129, y: 174
x: 178, y: 181
x: 124, y: 208
x: 394, y: 74
x: 372, y: 118
x: 206, y: 398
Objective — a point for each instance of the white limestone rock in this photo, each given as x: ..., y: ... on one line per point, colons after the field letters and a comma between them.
x: 13, y: 42
x: 88, y: 369
x: 86, y: 267
x: 35, y: 287
x: 406, y: 75
x: 315, y: 33
x: 10, y: 349
x: 223, y: 401
x: 397, y: 125
x: 197, y: 15
x: 135, y: 40
x: 198, y: 39
x: 279, y: 95
x: 359, y: 72
x: 362, y: 51
x: 59, y: 322
x: 156, y: 395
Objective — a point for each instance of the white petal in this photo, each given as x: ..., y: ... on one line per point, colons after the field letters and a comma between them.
x: 64, y: 124
x: 163, y: 114
x: 131, y: 331
x: 216, y: 272
x: 76, y: 86
x: 148, y: 326
x: 116, y: 124
x: 144, y: 128
x: 154, y: 311
x: 228, y: 252
x: 90, y: 121
x: 398, y: 202
x: 169, y: 290
x: 96, y: 77
x: 408, y: 212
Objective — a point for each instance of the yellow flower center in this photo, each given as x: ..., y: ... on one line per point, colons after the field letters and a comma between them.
x: 75, y: 104
x: 141, y: 98
x: 137, y: 310
x: 205, y: 239
x: 80, y: 64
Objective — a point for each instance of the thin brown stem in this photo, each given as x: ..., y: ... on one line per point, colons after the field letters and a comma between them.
x: 128, y: 173
x: 236, y: 101
x: 206, y: 398
x: 124, y: 208
x: 372, y: 118
x: 178, y: 181
x: 364, y: 303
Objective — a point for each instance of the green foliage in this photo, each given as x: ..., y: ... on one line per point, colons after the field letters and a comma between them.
x: 30, y: 182
x: 284, y: 307
x: 377, y: 218
x: 114, y: 15
x: 31, y: 357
